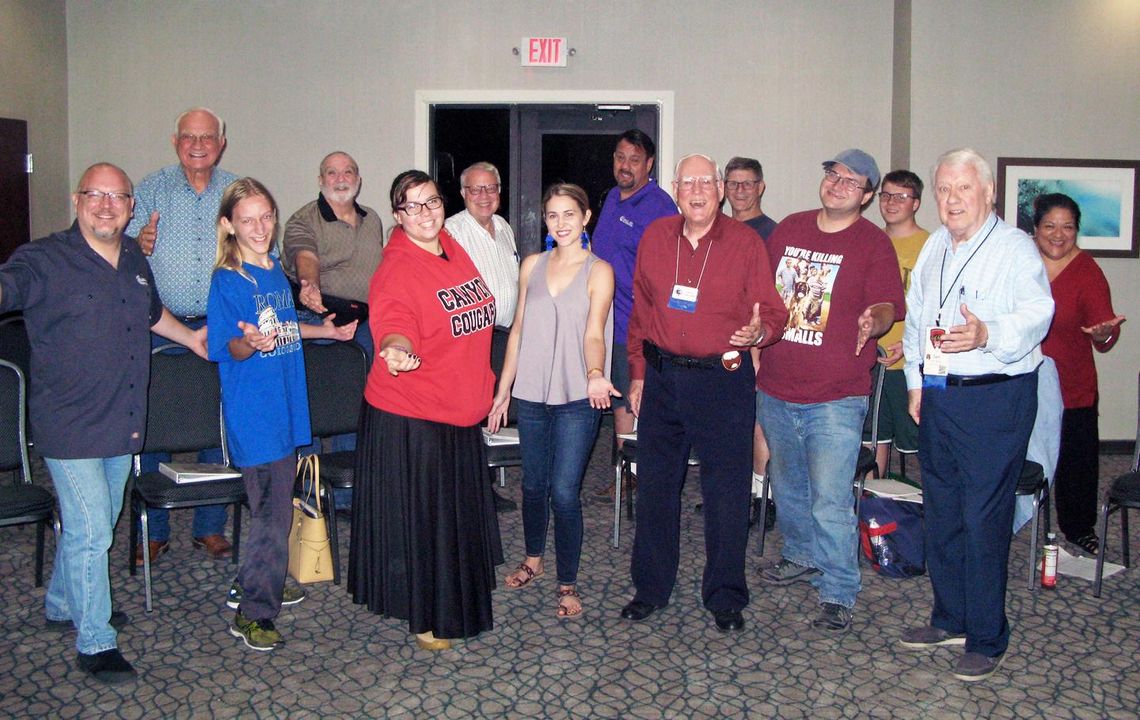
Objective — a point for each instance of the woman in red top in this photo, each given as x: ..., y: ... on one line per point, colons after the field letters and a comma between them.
x: 425, y: 538
x: 1083, y: 320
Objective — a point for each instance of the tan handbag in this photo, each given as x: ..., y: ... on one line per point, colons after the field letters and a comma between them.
x: 310, y: 555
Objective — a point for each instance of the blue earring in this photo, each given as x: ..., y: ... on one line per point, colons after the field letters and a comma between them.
x: 585, y: 239
x: 549, y: 241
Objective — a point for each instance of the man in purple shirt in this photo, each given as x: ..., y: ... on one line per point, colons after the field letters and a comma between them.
x: 629, y: 208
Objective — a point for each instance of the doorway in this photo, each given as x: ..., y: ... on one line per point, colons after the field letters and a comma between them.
x: 533, y: 146
x: 15, y: 221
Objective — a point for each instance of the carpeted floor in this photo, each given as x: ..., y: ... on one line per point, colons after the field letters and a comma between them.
x: 1071, y: 656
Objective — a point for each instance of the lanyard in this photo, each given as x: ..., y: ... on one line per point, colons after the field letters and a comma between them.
x: 677, y: 264
x: 942, y: 298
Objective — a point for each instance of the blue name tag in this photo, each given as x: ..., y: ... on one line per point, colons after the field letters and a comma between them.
x: 934, y: 382
x: 683, y: 298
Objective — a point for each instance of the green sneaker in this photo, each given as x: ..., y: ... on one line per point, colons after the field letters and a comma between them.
x: 290, y: 596
x: 257, y: 634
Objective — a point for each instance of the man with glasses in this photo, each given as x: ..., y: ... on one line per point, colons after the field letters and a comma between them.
x: 703, y: 296
x: 744, y: 187
x: 88, y: 299
x: 490, y: 242
x: 176, y: 221
x: 899, y: 200
x: 813, y: 386
x: 331, y: 248
x: 628, y: 210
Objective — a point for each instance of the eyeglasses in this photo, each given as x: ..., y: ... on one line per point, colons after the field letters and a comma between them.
x: 191, y: 139
x: 848, y: 182
x: 746, y: 184
x: 413, y: 208
x: 478, y: 190
x: 895, y: 197
x: 690, y: 183
x: 95, y: 197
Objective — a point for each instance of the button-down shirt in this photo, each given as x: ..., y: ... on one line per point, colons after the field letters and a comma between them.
x: 731, y: 273
x: 999, y: 277
x: 183, y: 257
x: 496, y: 258
x: 89, y: 328
x: 348, y: 255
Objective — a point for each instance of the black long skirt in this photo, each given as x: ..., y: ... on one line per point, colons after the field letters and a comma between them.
x: 425, y: 538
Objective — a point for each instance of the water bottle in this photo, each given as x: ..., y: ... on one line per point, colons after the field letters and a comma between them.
x: 879, y: 547
x: 1049, y: 562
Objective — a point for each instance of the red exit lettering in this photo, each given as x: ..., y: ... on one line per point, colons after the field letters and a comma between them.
x: 544, y: 51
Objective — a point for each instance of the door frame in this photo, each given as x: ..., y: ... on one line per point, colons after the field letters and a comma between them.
x: 663, y: 99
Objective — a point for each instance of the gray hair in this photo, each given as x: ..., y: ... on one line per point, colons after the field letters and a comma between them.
x: 964, y: 156
x: 208, y: 111
x: 325, y: 159
x: 677, y: 168
x: 743, y: 163
x: 485, y: 167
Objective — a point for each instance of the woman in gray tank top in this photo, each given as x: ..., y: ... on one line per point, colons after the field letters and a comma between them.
x: 558, y: 360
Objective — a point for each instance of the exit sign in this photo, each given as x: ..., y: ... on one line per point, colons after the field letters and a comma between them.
x: 544, y: 52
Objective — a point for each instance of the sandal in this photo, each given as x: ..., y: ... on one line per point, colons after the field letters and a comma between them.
x: 1089, y: 543
x: 521, y: 577
x: 567, y: 596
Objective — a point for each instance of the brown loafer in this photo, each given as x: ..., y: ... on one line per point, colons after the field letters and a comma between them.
x: 216, y: 546
x: 157, y: 548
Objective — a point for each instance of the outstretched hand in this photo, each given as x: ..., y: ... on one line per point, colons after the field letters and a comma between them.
x: 251, y: 334
x: 148, y: 234
x: 1102, y: 331
x: 751, y: 333
x: 311, y: 297
x: 399, y: 359
x: 963, y: 338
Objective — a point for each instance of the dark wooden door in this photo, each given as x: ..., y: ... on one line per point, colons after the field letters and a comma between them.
x: 15, y: 216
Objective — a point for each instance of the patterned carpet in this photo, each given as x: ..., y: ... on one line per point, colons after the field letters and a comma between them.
x: 1071, y: 656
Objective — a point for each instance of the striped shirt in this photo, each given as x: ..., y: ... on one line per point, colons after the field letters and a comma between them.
x: 496, y: 259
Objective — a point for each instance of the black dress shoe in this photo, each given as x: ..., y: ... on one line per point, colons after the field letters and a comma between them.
x: 503, y: 504
x: 108, y: 666
x: 637, y: 610
x: 728, y: 620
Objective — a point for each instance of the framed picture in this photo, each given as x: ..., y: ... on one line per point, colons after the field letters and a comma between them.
x: 1105, y: 190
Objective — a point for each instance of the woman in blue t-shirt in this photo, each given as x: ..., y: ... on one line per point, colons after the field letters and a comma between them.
x: 255, y: 338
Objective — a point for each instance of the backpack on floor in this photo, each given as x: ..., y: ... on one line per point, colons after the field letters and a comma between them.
x: 890, y: 533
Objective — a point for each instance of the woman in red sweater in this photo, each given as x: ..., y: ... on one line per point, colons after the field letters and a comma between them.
x: 1083, y: 320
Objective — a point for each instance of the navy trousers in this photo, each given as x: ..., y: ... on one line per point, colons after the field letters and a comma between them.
x: 711, y: 411
x: 972, y: 443
x: 265, y: 561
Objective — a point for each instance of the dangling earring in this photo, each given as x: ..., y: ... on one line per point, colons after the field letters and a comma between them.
x: 549, y: 241
x: 585, y: 239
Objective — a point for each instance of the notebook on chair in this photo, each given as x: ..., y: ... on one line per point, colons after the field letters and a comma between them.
x: 183, y: 473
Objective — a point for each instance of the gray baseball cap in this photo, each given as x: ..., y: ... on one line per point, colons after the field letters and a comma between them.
x: 858, y: 162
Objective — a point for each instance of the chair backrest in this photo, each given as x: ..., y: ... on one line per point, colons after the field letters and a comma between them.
x: 1136, y: 445
x: 336, y: 373
x: 14, y: 344
x: 183, y: 402
x: 878, y: 375
x: 13, y: 411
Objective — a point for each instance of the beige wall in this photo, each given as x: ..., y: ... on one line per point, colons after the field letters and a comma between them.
x: 33, y: 88
x: 790, y: 83
x: 1038, y: 79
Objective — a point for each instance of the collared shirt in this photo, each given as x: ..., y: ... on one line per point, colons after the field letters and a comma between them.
x: 496, y: 259
x: 616, y: 236
x: 999, y: 276
x: 907, y: 249
x: 89, y: 328
x: 349, y: 255
x: 762, y: 224
x: 731, y: 273
x: 183, y: 257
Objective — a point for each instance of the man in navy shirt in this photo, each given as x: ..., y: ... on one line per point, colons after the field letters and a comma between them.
x: 88, y: 300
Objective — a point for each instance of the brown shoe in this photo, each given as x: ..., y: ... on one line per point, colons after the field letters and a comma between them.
x: 157, y: 548
x: 216, y: 546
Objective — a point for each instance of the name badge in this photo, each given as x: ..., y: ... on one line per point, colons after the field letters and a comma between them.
x: 935, y: 365
x: 684, y: 298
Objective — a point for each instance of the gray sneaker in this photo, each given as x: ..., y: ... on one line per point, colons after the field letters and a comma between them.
x: 973, y: 666
x: 257, y: 634
x: 787, y: 572
x: 290, y: 596
x: 928, y: 636
x: 832, y: 618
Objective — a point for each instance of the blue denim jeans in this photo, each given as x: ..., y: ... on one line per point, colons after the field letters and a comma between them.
x: 90, y: 492
x: 814, y: 450
x: 555, y: 442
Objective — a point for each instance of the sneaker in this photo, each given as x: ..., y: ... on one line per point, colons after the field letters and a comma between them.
x: 787, y: 572
x: 973, y: 666
x: 832, y: 618
x: 256, y: 634
x: 290, y: 596
x: 108, y: 666
x: 928, y: 636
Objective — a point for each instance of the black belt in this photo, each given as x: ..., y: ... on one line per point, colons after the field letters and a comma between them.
x: 972, y: 380
x: 186, y: 319
x: 657, y: 357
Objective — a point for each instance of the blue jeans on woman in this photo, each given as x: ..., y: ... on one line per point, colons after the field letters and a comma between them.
x: 814, y: 450
x: 90, y: 492
x: 555, y: 442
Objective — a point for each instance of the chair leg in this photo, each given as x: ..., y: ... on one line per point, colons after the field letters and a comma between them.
x: 237, y: 535
x: 1124, y: 535
x: 1037, y: 503
x: 145, y: 522
x: 1100, y: 551
x: 617, y: 502
x: 330, y: 522
x: 40, y: 527
x: 502, y: 477
x: 133, y: 533
x: 765, y: 487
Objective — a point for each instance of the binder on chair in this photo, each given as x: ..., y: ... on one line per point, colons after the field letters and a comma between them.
x: 183, y: 473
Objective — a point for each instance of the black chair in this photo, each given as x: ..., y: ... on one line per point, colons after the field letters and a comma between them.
x: 183, y: 415
x: 624, y: 478
x: 21, y: 502
x: 336, y: 373
x: 17, y: 349
x: 1123, y: 495
x: 1033, y: 482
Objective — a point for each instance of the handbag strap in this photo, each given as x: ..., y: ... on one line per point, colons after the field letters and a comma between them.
x: 309, y: 469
